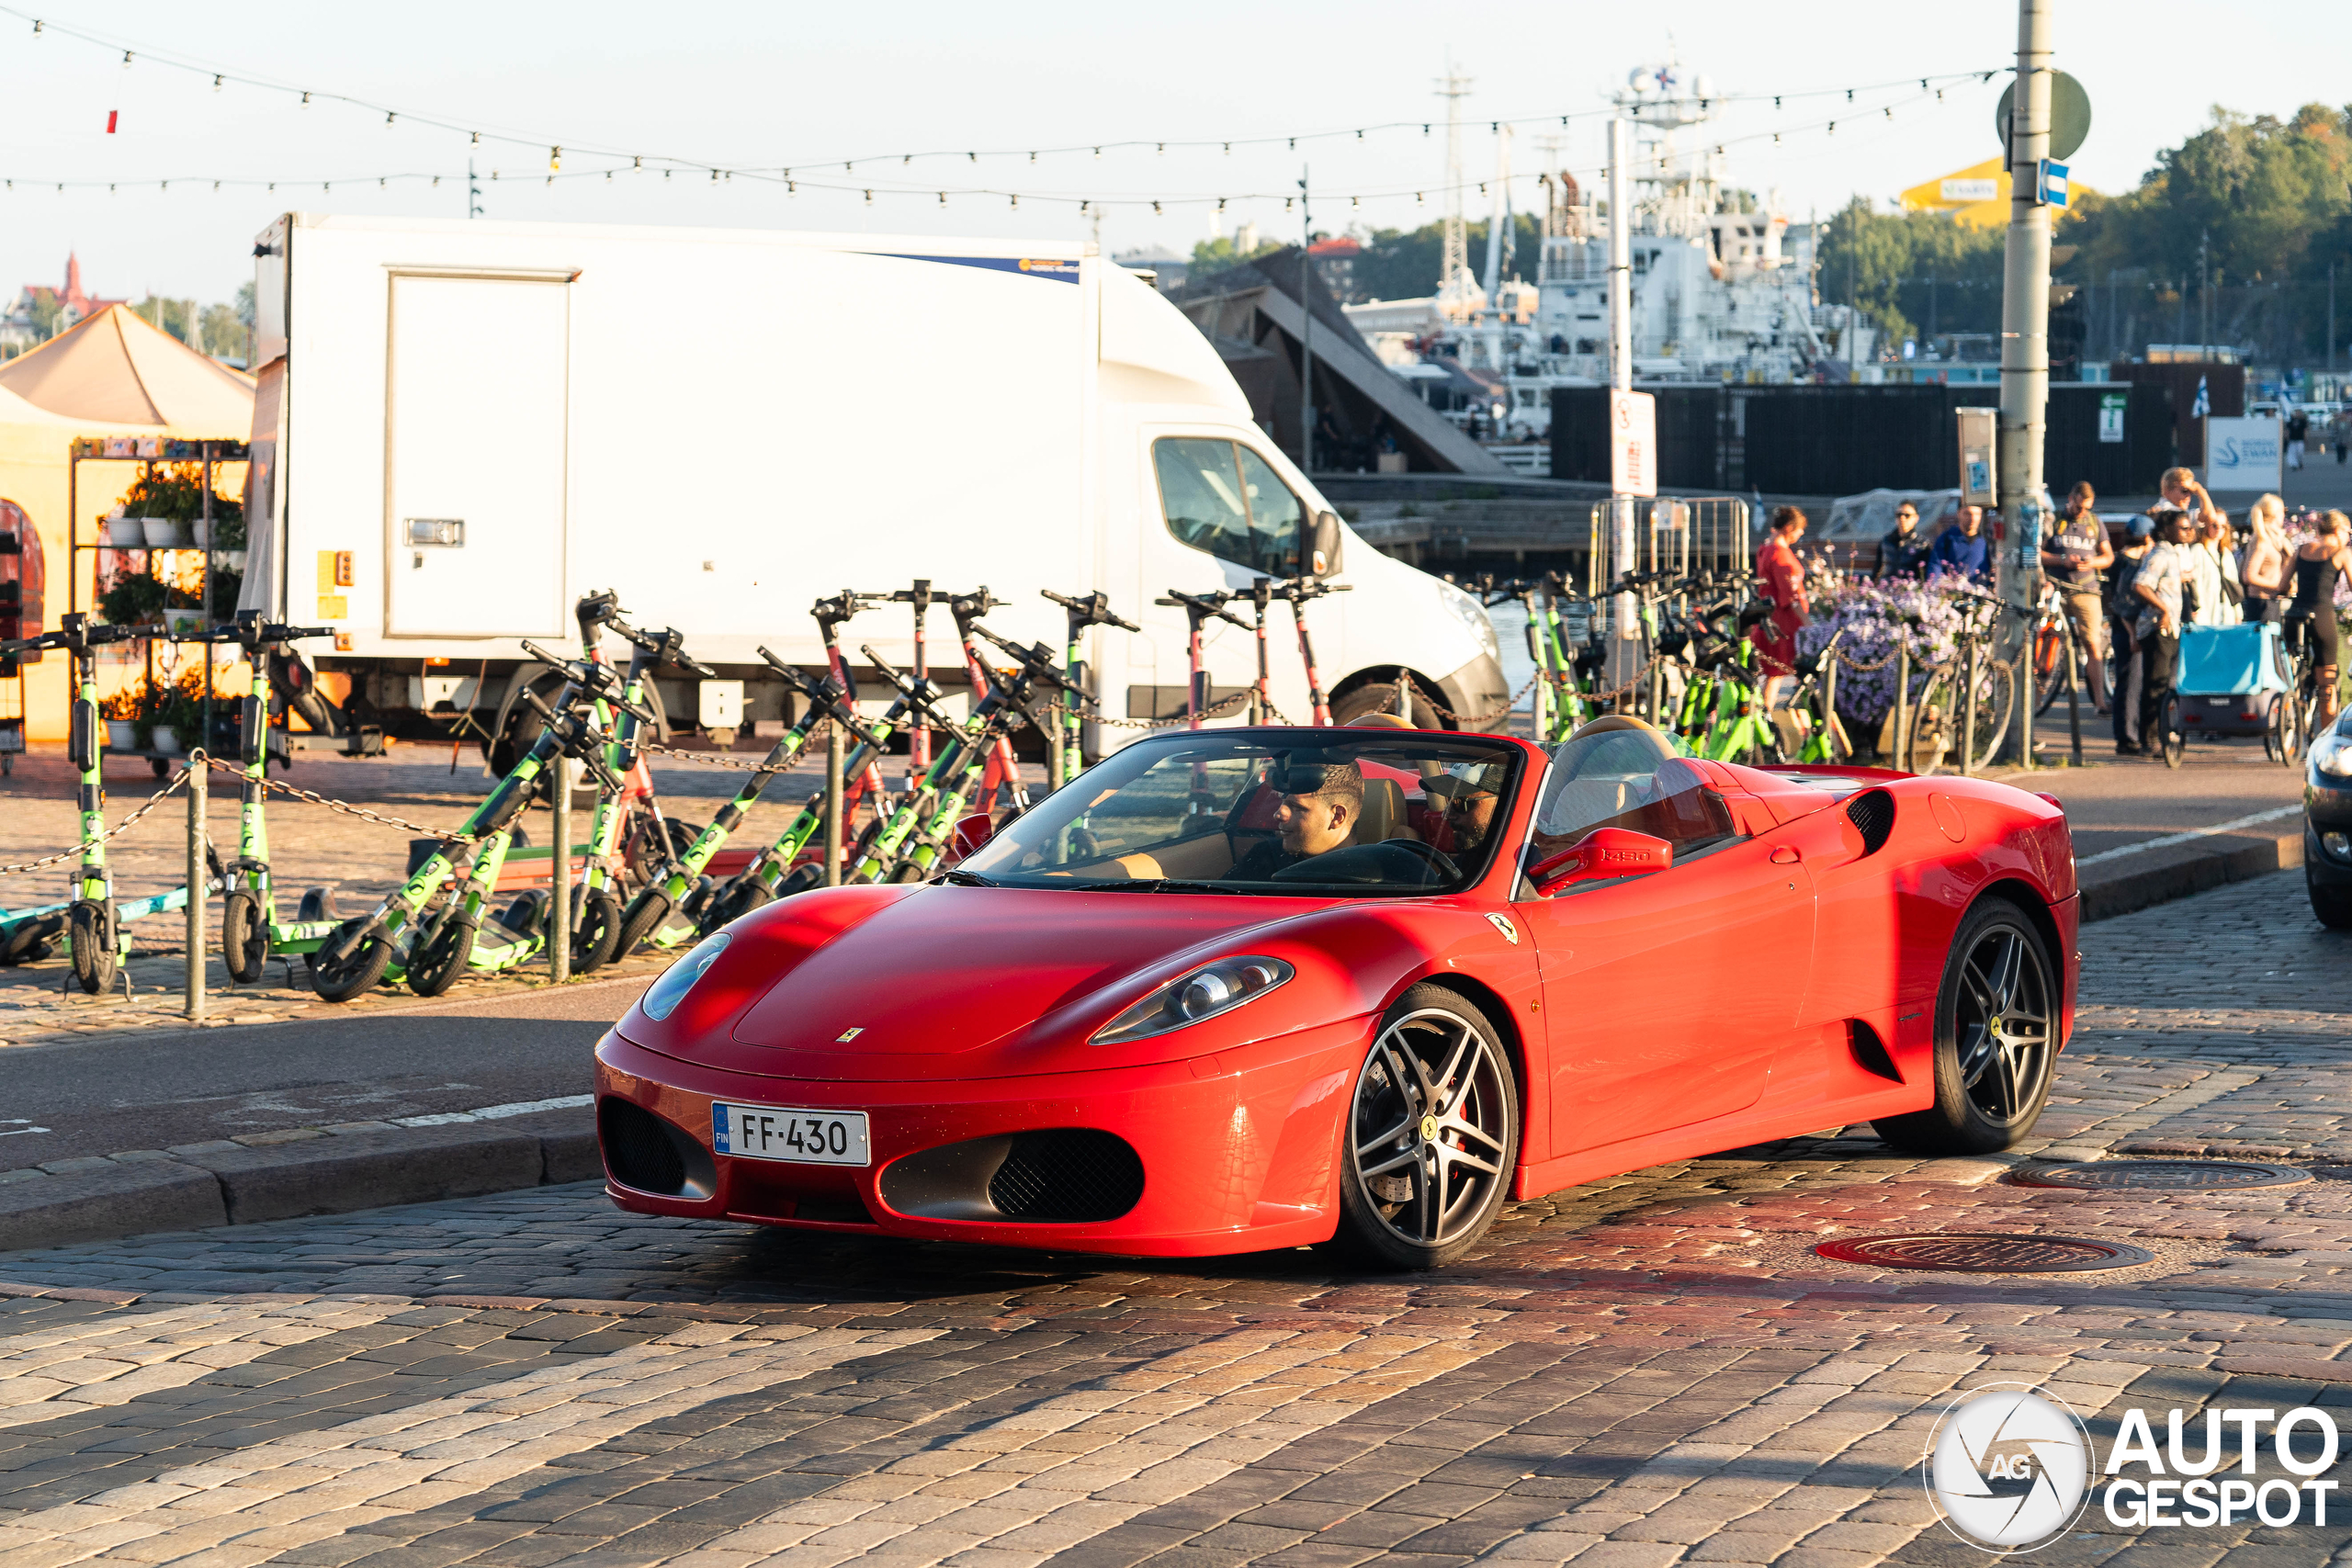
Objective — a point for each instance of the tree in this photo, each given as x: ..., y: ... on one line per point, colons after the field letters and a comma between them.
x: 1902, y: 268
x: 1215, y: 255
x: 224, y: 332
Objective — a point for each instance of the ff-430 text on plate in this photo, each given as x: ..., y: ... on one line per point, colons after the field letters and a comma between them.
x: 783, y: 1132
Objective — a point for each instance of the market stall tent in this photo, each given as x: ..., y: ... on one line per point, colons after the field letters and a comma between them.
x: 110, y: 375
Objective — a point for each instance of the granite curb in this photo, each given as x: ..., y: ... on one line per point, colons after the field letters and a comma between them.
x: 289, y: 1173
x: 2163, y: 876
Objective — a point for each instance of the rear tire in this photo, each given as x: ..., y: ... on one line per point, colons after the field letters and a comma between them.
x: 90, y: 929
x: 1996, y: 1045
x: 244, y: 936
x: 596, y: 929
x: 339, y: 980
x: 1431, y: 1136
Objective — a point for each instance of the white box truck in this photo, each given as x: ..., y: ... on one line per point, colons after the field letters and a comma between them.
x: 463, y: 426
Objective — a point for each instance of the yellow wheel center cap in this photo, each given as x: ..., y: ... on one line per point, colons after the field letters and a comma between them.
x: 1428, y: 1129
x: 1995, y: 1026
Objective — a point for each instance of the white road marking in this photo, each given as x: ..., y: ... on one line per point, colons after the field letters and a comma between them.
x: 2169, y: 839
x: 497, y: 1112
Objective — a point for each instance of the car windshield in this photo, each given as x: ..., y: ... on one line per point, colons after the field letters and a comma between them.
x: 1306, y: 812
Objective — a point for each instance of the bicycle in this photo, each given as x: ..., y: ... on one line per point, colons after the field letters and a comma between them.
x: 1951, y: 702
x: 251, y: 932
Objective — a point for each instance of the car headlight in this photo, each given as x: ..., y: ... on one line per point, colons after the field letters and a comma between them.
x: 666, y: 993
x: 1187, y: 999
x: 2331, y: 753
x: 2337, y: 845
x: 1472, y: 615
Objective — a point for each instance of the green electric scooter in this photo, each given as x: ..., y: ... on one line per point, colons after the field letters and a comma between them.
x: 93, y: 921
x: 647, y: 915
x: 432, y: 931
x: 1093, y: 610
x: 251, y: 932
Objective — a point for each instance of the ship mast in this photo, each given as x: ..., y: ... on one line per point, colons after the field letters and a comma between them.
x: 1457, y: 291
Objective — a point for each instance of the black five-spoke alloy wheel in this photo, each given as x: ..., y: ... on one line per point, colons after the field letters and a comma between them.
x: 1996, y: 1040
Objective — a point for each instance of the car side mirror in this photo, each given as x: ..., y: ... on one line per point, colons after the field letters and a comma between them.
x: 1324, y: 547
x: 1603, y: 853
x: 973, y: 831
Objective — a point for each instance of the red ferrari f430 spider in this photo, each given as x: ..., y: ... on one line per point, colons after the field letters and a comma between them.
x: 1247, y: 988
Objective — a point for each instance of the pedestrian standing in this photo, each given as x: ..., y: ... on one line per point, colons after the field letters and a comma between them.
x: 2299, y: 430
x: 2122, y: 613
x: 1781, y: 577
x: 2073, y: 556
x: 1964, y: 546
x: 1903, y: 553
x: 2182, y: 493
x: 2262, y: 565
x: 2214, y: 563
x: 2159, y: 587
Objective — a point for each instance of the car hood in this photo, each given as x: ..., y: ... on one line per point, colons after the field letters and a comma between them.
x: 924, y: 985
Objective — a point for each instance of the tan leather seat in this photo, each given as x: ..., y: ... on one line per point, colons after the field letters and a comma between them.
x: 1384, y: 812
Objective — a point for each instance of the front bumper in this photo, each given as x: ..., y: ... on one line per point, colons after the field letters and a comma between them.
x: 1238, y: 1149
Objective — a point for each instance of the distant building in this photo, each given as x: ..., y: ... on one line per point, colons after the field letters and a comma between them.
x: 39, y: 312
x: 1335, y: 263
x: 1166, y: 267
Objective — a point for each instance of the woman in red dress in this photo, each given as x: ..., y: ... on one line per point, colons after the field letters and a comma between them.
x: 1781, y: 577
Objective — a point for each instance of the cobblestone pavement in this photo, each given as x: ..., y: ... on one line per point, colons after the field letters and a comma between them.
x: 1643, y: 1372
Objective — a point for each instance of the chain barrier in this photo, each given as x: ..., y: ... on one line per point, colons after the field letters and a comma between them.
x: 716, y: 759
x: 344, y: 807
x: 179, y: 781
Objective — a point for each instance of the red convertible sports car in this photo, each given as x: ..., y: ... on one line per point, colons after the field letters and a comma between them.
x: 1244, y: 988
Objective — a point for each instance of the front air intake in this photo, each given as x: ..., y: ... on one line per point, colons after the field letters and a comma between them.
x: 644, y: 1152
x: 1057, y: 1175
x: 1872, y: 814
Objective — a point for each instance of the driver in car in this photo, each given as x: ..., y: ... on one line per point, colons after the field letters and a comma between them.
x: 1321, y: 805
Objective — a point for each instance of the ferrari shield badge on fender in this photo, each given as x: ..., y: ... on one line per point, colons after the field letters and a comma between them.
x: 1502, y: 923
x: 848, y: 1034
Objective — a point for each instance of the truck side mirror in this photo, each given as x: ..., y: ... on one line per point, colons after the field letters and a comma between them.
x: 1324, y: 547
x: 1603, y: 853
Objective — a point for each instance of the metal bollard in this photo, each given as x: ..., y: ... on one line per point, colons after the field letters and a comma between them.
x: 2073, y: 698
x: 560, y: 878
x: 833, y: 790
x: 1968, y: 758
x: 1901, y: 761
x: 1829, y: 706
x: 1405, y: 696
x: 2026, y: 693
x: 197, y: 893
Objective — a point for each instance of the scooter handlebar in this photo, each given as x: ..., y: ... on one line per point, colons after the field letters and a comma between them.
x: 1093, y: 607
x: 825, y: 695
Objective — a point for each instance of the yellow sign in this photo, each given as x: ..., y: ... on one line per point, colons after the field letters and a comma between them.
x: 334, y: 607
x: 1977, y: 195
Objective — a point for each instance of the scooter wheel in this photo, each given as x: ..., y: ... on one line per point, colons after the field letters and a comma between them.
x: 28, y: 941
x: 799, y: 879
x: 907, y: 871
x: 596, y: 929
x: 441, y: 953
x: 244, y: 936
x: 732, y: 903
x: 641, y: 919
x: 340, y: 979
x: 91, y: 934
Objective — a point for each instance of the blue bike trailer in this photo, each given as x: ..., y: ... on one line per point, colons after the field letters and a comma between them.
x: 2228, y: 677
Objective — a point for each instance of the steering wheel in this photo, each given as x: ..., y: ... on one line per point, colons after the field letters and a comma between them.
x: 1439, y: 862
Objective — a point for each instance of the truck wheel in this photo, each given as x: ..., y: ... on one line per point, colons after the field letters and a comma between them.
x: 362, y: 964
x: 244, y: 936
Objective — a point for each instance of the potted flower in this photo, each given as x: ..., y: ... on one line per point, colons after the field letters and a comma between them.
x: 122, y: 710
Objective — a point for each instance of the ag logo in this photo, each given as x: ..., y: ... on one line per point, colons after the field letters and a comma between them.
x: 2008, y: 1468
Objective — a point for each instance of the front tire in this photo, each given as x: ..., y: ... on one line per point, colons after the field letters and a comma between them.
x: 1432, y: 1135
x: 244, y: 936
x: 442, y: 952
x: 2332, y: 907
x: 340, y: 979
x: 1996, y: 1040
x: 89, y: 929
x: 596, y: 930
x: 641, y: 919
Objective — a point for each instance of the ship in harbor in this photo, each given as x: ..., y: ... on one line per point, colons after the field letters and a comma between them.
x: 1721, y: 286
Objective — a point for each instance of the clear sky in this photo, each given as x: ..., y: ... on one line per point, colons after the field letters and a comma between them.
x: 809, y: 85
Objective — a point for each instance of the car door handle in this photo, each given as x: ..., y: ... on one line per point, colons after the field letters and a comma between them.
x: 1786, y: 855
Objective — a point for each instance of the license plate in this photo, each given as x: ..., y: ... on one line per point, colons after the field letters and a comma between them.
x: 785, y: 1133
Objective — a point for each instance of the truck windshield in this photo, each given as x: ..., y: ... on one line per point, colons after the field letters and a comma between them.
x: 1301, y: 812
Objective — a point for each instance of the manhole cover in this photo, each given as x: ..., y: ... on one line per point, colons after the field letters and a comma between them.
x: 2165, y: 1175
x: 1981, y: 1254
